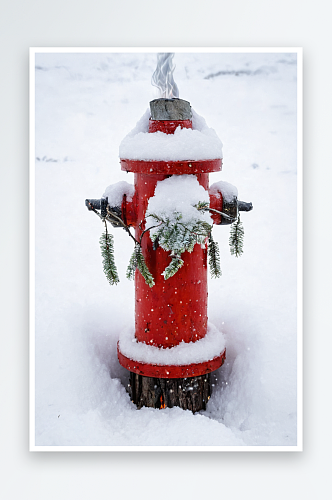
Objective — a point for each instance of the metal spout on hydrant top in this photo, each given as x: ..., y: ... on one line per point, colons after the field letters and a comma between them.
x: 173, y: 346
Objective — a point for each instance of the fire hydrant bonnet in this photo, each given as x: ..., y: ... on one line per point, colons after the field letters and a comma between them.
x: 186, y: 144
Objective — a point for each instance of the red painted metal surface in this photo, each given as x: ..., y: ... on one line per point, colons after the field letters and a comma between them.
x: 171, y: 167
x: 172, y: 371
x: 168, y: 126
x: 216, y: 203
x: 129, y: 208
x: 173, y: 310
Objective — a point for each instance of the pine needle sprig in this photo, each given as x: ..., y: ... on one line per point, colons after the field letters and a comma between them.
x: 177, y: 237
x: 236, y: 238
x: 137, y: 262
x: 202, y: 205
x: 107, y: 252
x: 214, y: 258
x: 172, y: 268
x: 130, y: 274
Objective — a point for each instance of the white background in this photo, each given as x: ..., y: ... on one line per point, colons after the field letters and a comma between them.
x: 145, y: 475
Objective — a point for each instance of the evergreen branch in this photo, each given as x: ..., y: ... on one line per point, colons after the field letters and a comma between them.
x: 112, y: 215
x: 202, y: 205
x: 203, y: 226
x: 155, y: 216
x: 130, y: 274
x: 199, y: 224
x: 214, y: 258
x: 172, y: 268
x: 137, y: 261
x: 107, y: 251
x: 236, y: 238
x: 142, y: 267
x: 146, y: 230
x: 216, y: 212
x: 177, y: 236
x: 110, y: 218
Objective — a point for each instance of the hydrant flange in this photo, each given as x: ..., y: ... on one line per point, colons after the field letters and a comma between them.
x: 171, y: 371
x: 171, y: 167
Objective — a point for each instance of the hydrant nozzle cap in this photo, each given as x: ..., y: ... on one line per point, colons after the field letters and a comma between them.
x: 170, y: 109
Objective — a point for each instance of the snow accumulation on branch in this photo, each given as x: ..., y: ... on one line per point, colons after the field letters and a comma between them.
x: 174, y: 218
x: 202, y: 350
x: 199, y: 143
x: 178, y: 194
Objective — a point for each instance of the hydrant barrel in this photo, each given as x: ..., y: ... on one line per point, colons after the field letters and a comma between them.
x: 173, y: 310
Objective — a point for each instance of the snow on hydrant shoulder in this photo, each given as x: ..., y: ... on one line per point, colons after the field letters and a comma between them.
x: 115, y: 193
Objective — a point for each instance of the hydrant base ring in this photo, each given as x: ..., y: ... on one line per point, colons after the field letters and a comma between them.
x: 171, y: 371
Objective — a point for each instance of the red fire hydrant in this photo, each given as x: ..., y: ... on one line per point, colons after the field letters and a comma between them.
x: 171, y: 312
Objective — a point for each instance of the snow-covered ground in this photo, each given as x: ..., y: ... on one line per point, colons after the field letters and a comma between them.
x: 85, y: 105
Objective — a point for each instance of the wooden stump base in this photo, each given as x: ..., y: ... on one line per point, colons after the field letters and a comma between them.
x: 190, y: 393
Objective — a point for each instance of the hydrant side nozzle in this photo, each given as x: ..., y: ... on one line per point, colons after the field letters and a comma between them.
x: 92, y: 204
x: 100, y: 204
x: 227, y: 208
x: 113, y: 214
x: 129, y: 210
x: 103, y: 207
x: 244, y: 206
